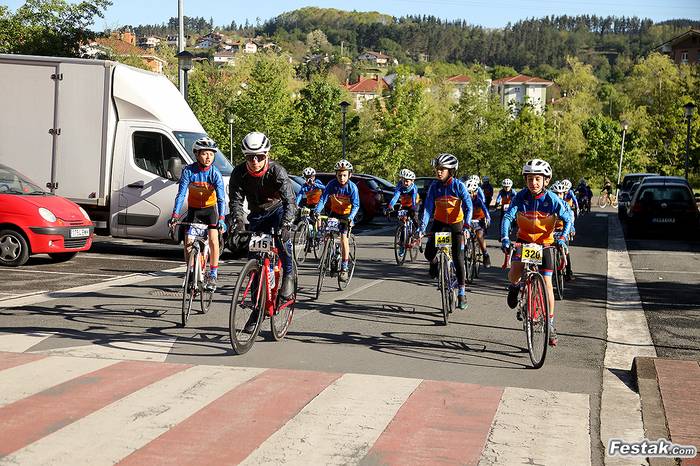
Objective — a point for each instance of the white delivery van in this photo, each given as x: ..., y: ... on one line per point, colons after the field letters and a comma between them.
x: 110, y: 137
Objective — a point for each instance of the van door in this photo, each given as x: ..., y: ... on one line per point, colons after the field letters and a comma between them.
x: 148, y: 189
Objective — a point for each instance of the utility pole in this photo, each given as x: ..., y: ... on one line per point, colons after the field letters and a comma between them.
x: 181, y: 42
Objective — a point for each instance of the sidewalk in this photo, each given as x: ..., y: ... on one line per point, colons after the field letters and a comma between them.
x: 670, y: 401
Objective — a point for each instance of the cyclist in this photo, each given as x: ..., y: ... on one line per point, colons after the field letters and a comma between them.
x: 488, y: 190
x: 407, y: 193
x: 481, y: 216
x: 570, y: 197
x: 344, y: 203
x: 310, y: 193
x: 268, y: 190
x: 607, y: 187
x: 584, y: 194
x: 450, y: 207
x: 204, y: 187
x: 505, y: 195
x: 559, y: 188
x: 480, y: 192
x: 535, y: 209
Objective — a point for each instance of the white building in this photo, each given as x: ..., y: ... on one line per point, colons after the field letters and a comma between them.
x: 150, y: 42
x: 225, y: 58
x: 521, y: 89
x: 376, y: 58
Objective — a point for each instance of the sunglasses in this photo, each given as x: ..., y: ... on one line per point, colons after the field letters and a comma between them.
x: 256, y: 157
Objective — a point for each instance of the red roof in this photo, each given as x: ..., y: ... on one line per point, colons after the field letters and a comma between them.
x: 119, y: 46
x: 459, y: 79
x: 367, y: 85
x: 521, y: 79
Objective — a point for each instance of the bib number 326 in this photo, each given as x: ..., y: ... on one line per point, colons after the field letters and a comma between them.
x: 532, y: 254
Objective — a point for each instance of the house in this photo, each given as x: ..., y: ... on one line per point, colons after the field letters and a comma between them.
x: 116, y: 46
x: 371, y: 58
x: 458, y: 82
x: 225, y: 58
x: 149, y: 42
x: 250, y: 47
x: 683, y: 49
x: 213, y: 39
x: 366, y: 89
x: 518, y: 90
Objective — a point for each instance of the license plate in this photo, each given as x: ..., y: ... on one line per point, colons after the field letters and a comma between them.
x: 197, y: 230
x: 79, y: 232
x: 443, y: 239
x: 663, y: 220
x: 402, y: 213
x: 333, y: 224
x: 260, y: 242
x: 532, y: 254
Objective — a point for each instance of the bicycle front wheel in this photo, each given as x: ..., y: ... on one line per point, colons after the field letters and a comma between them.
x: 247, y: 307
x: 537, y: 319
x: 189, y: 289
x: 468, y: 258
x: 602, y: 201
x: 300, y: 242
x: 323, y: 266
x: 351, y: 263
x: 400, y: 245
x: 558, y: 274
x: 205, y: 296
x: 477, y: 258
x: 445, y: 288
x: 284, y: 311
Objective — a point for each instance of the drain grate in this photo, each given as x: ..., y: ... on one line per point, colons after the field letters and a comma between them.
x: 166, y: 293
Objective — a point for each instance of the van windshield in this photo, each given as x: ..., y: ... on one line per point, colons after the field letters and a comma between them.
x: 186, y: 139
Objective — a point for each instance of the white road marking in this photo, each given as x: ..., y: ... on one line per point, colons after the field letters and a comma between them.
x: 21, y: 342
x: 74, y: 273
x: 539, y: 427
x: 657, y: 304
x: 664, y: 253
x: 111, y: 433
x: 34, y: 377
x: 340, y: 425
x: 347, y: 294
x: 682, y: 272
x: 140, y: 350
x: 13, y: 296
x: 122, y: 258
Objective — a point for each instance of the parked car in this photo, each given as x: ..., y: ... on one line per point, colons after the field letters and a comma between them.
x: 663, y: 205
x: 371, y: 195
x: 34, y: 221
x: 386, y: 187
x: 625, y: 195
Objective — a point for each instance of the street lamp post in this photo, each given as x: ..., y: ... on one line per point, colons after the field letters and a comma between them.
x: 184, y: 60
x: 689, y: 109
x: 230, y: 127
x: 625, y: 125
x: 344, y: 109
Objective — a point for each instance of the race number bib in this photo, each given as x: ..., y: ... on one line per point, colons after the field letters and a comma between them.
x: 197, y: 230
x: 260, y: 242
x: 333, y: 224
x: 443, y: 239
x: 402, y: 213
x: 305, y: 211
x: 532, y: 254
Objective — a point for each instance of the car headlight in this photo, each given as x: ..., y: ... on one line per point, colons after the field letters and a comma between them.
x: 47, y: 215
x: 85, y: 214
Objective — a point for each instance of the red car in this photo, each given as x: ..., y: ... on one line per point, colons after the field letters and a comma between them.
x: 371, y: 195
x: 33, y: 221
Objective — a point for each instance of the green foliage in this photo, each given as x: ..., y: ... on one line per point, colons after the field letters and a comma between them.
x: 604, y: 139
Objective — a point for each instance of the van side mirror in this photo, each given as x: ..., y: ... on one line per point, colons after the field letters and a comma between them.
x: 175, y: 168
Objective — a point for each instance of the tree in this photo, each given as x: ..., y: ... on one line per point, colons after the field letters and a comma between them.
x: 604, y: 140
x: 317, y: 41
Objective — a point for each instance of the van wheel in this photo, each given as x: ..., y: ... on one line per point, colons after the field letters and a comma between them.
x: 14, y: 250
x: 62, y: 256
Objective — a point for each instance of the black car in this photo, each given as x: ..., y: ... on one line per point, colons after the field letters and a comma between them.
x: 625, y: 195
x: 663, y: 205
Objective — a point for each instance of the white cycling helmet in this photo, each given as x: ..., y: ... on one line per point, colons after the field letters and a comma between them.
x: 567, y: 184
x: 255, y: 143
x: 343, y: 165
x: 407, y: 174
x: 471, y: 185
x: 537, y: 167
x: 445, y: 160
x: 559, y: 187
x: 309, y: 172
x: 475, y: 178
x: 204, y: 143
x: 507, y: 183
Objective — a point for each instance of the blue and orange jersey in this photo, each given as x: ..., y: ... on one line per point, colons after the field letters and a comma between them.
x: 203, y: 187
x: 408, y: 195
x: 536, y: 217
x: 480, y: 210
x: 345, y: 200
x: 505, y: 197
x: 570, y: 198
x: 487, y: 189
x: 447, y: 203
x: 312, y: 193
x: 560, y: 222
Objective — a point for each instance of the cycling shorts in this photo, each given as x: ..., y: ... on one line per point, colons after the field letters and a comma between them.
x: 206, y: 215
x: 344, y: 226
x: 547, y: 266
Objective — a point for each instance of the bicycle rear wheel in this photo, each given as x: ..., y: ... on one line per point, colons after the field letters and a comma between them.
x: 300, y: 242
x: 558, y: 275
x: 323, y: 266
x: 537, y: 319
x: 400, y: 245
x: 351, y: 263
x: 189, y: 289
x: 284, y: 311
x: 468, y: 258
x: 445, y: 288
x: 477, y: 258
x: 414, y: 245
x: 247, y: 306
x: 602, y: 200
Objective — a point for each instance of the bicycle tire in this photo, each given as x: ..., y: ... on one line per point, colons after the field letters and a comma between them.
x: 558, y: 278
x: 323, y: 266
x: 468, y: 258
x: 282, y: 318
x: 300, y: 242
x: 399, y: 242
x: 537, y: 319
x: 251, y: 287
x: 445, y: 288
x: 478, y: 258
x: 188, y: 291
x: 602, y: 201
x: 613, y: 202
x: 351, y: 263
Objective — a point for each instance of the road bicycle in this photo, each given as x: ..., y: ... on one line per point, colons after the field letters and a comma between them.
x: 584, y: 204
x: 331, y: 255
x: 447, y: 275
x: 404, y: 238
x: 606, y: 199
x: 559, y: 272
x: 473, y: 257
x: 256, y: 294
x: 197, y: 274
x: 306, y: 238
x: 533, y: 306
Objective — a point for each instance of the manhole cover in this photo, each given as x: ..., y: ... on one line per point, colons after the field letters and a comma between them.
x: 169, y: 293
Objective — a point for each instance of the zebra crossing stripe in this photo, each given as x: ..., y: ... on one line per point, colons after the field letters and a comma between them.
x: 21, y: 342
x: 539, y: 427
x: 230, y: 428
x: 111, y: 433
x: 338, y: 426
x: 441, y: 423
x: 28, y: 379
x: 144, y: 349
x: 32, y: 418
x: 8, y: 360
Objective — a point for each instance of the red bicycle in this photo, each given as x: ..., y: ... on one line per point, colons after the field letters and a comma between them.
x: 532, y: 301
x: 256, y: 295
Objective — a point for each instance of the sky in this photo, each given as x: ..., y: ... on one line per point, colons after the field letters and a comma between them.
x: 487, y: 13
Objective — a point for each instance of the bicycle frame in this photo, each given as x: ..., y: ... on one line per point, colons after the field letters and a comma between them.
x: 264, y: 259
